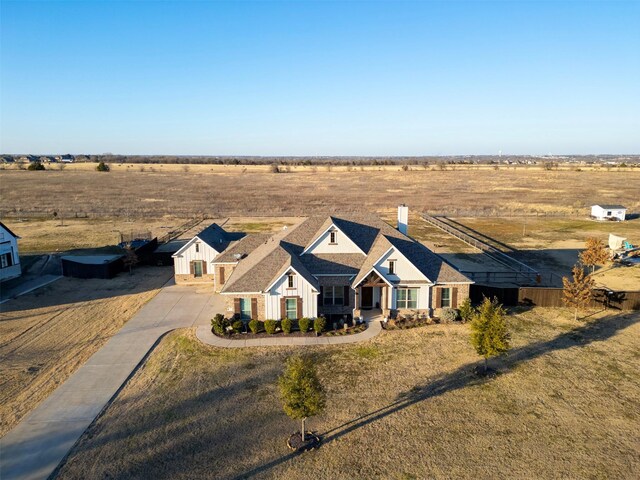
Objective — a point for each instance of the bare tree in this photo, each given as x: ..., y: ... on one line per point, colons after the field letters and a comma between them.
x: 130, y: 257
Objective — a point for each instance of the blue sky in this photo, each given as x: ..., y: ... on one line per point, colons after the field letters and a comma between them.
x: 320, y: 78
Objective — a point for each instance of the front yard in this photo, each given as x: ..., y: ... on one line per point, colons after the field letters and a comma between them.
x: 48, y: 334
x: 403, y: 405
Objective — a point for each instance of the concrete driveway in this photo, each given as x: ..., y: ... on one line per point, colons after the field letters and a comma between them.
x: 35, y: 447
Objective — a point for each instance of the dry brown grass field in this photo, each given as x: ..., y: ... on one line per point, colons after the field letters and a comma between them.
x: 48, y: 334
x: 404, y: 405
x: 217, y: 191
x: 48, y: 235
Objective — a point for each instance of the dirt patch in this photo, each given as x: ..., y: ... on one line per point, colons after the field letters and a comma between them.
x: 48, y: 334
x: 619, y: 277
x: 564, y: 404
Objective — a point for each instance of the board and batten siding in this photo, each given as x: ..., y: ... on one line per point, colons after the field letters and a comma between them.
x: 343, y: 244
x: 301, y: 288
x: 424, y: 296
x: 182, y: 262
x: 404, y: 269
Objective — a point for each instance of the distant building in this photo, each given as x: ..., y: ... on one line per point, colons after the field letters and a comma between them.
x: 608, y: 212
x: 9, y: 259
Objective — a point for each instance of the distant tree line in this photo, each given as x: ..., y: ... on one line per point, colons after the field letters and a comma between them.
x: 549, y: 162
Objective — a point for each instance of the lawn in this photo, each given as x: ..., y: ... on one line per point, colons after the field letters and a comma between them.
x: 48, y: 334
x: 403, y: 405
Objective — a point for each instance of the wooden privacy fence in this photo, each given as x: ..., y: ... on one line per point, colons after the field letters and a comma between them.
x: 552, y: 297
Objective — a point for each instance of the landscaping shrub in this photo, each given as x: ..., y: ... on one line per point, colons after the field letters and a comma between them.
x: 286, y: 325
x: 448, y: 315
x: 319, y: 324
x: 467, y: 311
x: 304, y: 323
x: 270, y: 326
x: 254, y: 326
x: 238, y: 326
x: 219, y: 324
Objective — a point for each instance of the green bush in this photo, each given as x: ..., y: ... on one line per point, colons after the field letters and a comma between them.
x: 466, y: 310
x: 219, y: 324
x: 286, y: 325
x: 36, y: 166
x: 270, y: 326
x: 238, y: 326
x: 254, y: 326
x: 319, y: 324
x: 448, y: 315
x: 103, y: 167
x: 304, y: 323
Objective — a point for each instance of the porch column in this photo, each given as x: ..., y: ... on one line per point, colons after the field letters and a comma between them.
x: 356, y: 300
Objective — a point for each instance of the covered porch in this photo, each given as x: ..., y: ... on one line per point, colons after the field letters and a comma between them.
x: 373, y: 297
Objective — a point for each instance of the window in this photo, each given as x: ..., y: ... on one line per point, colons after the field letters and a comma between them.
x: 608, y: 213
x: 445, y: 299
x: 392, y: 267
x: 333, y: 295
x: 407, y: 298
x: 291, y: 305
x: 245, y: 309
x: 197, y: 268
x: 197, y: 247
x: 6, y: 260
x: 333, y: 237
x: 290, y: 281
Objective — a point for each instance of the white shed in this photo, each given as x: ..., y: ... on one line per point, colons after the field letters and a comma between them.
x: 9, y: 259
x: 608, y: 212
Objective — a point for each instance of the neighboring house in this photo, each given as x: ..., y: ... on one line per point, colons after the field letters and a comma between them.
x: 193, y: 263
x: 9, y: 259
x: 608, y: 212
x: 336, y: 266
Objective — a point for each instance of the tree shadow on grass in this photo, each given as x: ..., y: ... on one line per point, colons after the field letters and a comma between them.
x: 465, y: 377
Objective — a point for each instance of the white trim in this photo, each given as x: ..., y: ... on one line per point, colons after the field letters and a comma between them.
x: 405, y: 257
x: 223, y: 263
x: 453, y: 283
x: 285, y: 273
x: 374, y: 269
x: 189, y: 243
x: 242, y: 293
x: 312, y: 243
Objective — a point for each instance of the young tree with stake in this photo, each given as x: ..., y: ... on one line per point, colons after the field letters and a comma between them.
x: 301, y: 392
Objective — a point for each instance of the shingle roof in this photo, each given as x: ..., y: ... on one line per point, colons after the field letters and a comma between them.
x: 610, y: 207
x: 242, y: 247
x: 216, y: 237
x: 373, y: 236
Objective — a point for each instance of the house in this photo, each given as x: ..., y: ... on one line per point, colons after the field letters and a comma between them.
x: 9, y: 259
x: 608, y: 212
x: 193, y: 262
x: 339, y: 267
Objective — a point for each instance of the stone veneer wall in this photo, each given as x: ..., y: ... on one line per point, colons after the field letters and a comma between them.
x: 229, y: 306
x: 183, y: 279
x: 463, y: 293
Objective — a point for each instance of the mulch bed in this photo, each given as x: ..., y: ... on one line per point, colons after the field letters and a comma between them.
x: 311, y: 333
x: 311, y: 442
x: 404, y: 324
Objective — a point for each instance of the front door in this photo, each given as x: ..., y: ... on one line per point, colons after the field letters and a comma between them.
x: 367, y: 297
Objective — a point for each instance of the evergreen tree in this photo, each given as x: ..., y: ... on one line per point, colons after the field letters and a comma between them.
x: 466, y: 310
x: 594, y: 254
x: 300, y: 390
x: 578, y: 292
x: 489, y: 334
